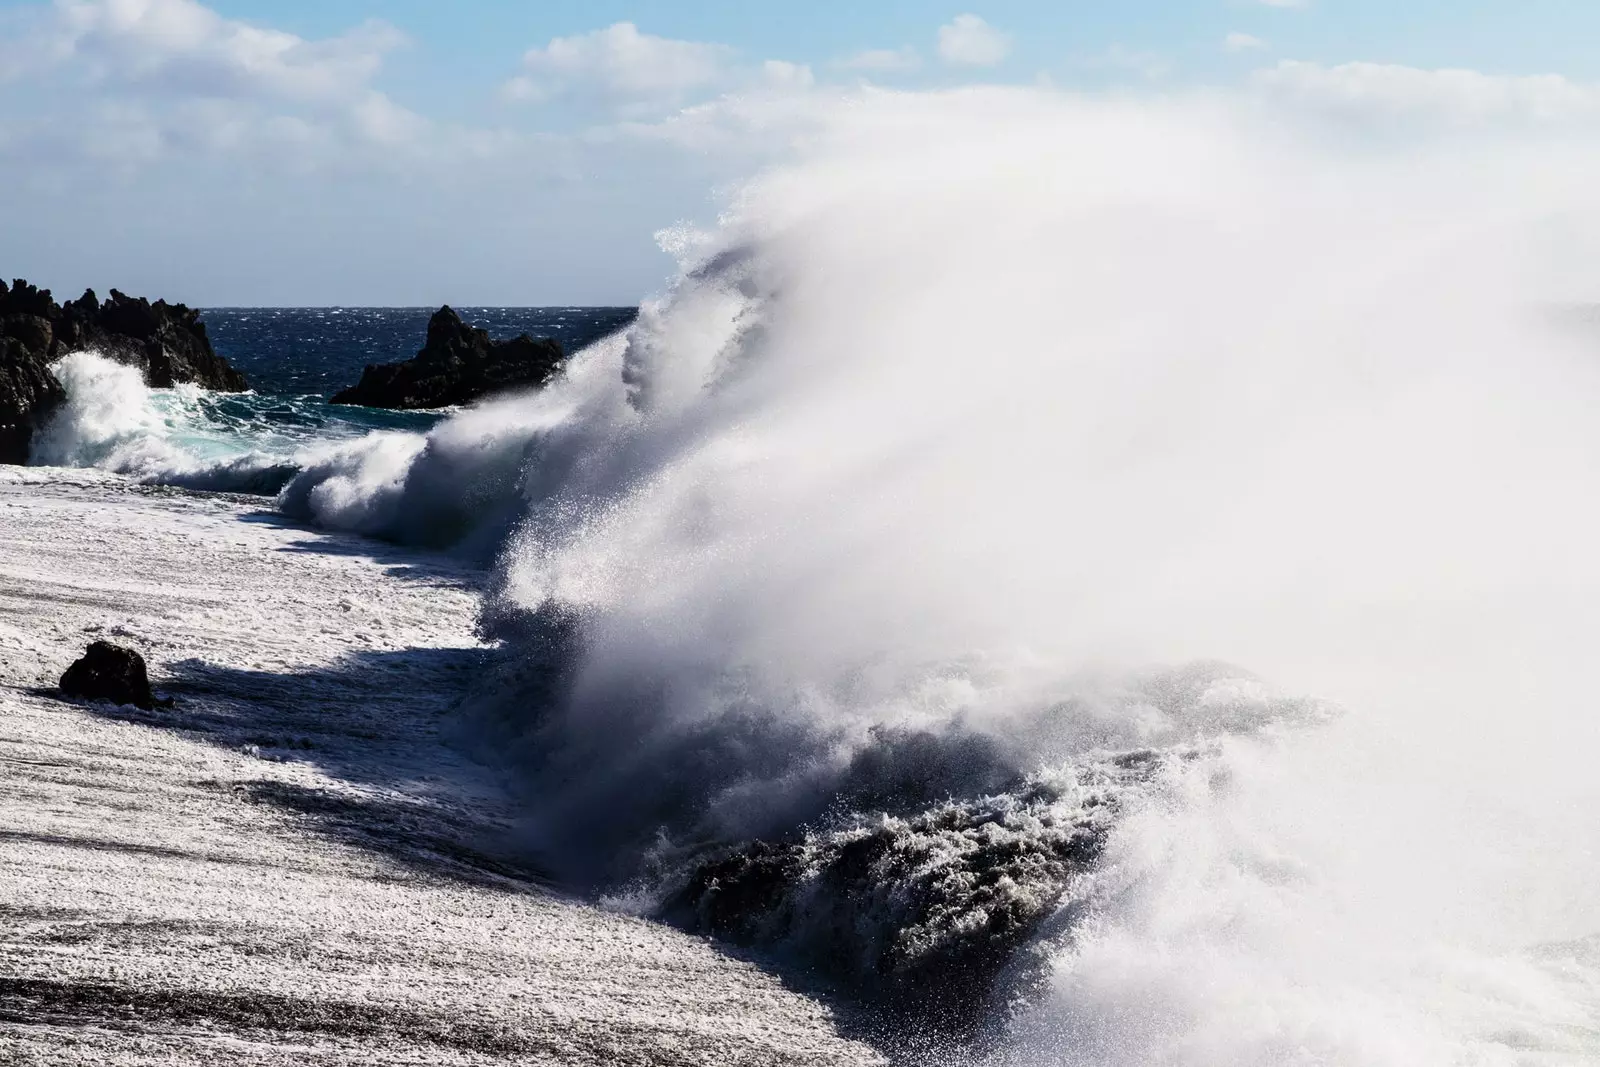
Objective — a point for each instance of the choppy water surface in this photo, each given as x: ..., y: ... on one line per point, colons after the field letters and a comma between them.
x: 319, y: 351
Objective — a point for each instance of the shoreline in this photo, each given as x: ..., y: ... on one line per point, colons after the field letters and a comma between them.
x: 293, y: 866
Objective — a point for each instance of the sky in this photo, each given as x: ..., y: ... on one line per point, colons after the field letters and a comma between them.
x: 528, y: 152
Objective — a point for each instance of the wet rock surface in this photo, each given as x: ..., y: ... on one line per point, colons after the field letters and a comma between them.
x: 924, y: 914
x: 458, y: 364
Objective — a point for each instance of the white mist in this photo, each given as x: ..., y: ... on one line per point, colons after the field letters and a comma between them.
x: 993, y: 388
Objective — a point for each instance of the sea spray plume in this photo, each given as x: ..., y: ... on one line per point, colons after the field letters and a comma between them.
x: 864, y: 487
x: 108, y: 414
x: 997, y: 388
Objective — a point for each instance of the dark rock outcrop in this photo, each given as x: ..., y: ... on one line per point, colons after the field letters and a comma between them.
x: 167, y: 342
x: 110, y: 672
x: 28, y: 391
x: 921, y: 914
x: 458, y: 364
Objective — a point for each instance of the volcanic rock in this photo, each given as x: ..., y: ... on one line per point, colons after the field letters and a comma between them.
x: 921, y: 915
x: 110, y: 672
x: 167, y: 342
x: 458, y: 364
x: 28, y: 391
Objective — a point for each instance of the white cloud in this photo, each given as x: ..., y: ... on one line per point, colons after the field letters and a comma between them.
x: 620, y: 67
x: 183, y: 46
x: 969, y: 41
x: 1456, y: 98
x: 279, y: 150
x: 1242, y: 42
x: 883, y: 61
x: 177, y: 76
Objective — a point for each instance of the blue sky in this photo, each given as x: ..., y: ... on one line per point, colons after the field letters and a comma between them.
x: 491, y: 151
x: 1510, y: 36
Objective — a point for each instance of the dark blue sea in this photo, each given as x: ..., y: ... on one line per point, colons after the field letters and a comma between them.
x: 319, y: 351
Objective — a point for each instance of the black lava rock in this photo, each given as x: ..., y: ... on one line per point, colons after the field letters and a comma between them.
x: 110, y: 672
x: 28, y: 391
x: 918, y: 915
x: 458, y: 364
x: 167, y: 342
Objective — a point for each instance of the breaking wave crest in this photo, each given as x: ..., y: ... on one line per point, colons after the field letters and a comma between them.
x: 112, y: 420
x: 867, y: 599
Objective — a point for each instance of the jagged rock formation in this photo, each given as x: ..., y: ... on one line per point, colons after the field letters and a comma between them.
x: 167, y: 342
x: 458, y: 364
x: 110, y: 672
x: 921, y: 913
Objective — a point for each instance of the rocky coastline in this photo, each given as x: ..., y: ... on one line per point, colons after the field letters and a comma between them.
x: 167, y: 342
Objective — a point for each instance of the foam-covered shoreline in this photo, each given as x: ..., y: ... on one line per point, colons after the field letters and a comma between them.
x: 293, y: 867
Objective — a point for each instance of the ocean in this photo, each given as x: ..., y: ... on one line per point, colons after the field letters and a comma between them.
x: 1109, y: 584
x: 294, y: 352
x: 295, y: 359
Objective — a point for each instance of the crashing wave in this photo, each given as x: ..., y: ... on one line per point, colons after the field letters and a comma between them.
x: 185, y: 436
x: 915, y: 865
x: 177, y: 436
x: 825, y: 585
x: 850, y: 543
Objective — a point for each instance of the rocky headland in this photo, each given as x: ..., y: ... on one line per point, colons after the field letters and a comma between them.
x: 458, y: 364
x: 167, y: 342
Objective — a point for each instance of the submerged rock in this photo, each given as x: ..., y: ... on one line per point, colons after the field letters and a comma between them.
x: 167, y: 342
x: 458, y: 364
x: 110, y: 672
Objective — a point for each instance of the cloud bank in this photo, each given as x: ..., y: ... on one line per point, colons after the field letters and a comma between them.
x: 218, y: 159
